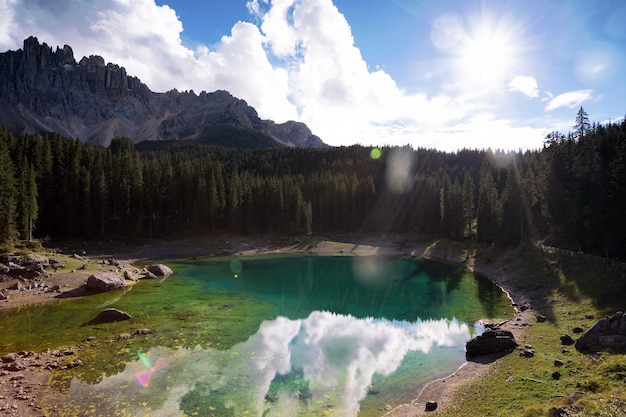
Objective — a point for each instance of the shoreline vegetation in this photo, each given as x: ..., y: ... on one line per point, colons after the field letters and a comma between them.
x: 560, y: 289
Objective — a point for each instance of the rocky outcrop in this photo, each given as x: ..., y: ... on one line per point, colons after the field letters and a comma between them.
x: 293, y: 134
x: 11, y: 263
x: 109, y: 315
x: 103, y: 282
x: 42, y: 90
x: 607, y: 335
x: 498, y: 342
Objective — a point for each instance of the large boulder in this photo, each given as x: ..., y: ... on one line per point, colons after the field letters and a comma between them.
x: 490, y: 342
x: 109, y: 315
x: 160, y: 270
x: 104, y: 281
x: 607, y: 335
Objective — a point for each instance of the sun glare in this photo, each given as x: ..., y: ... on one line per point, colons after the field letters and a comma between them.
x: 485, y: 47
x: 486, y: 57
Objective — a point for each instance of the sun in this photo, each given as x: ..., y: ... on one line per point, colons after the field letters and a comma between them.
x: 485, y: 47
x: 486, y: 56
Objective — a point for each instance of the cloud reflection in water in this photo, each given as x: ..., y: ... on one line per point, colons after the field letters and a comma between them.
x: 330, y: 360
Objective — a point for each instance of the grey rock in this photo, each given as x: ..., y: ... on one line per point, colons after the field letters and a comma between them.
x: 160, y: 270
x: 104, y: 281
x: 36, y: 259
x: 18, y: 286
x: 557, y: 412
x: 148, y: 275
x: 491, y: 342
x: 74, y: 364
x: 15, y: 366
x: 607, y: 335
x: 10, y: 357
x: 431, y: 405
x: 109, y: 315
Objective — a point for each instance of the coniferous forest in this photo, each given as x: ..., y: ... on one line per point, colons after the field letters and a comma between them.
x: 570, y: 193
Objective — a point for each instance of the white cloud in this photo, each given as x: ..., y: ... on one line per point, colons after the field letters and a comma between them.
x: 570, y: 99
x: 525, y: 84
x: 297, y: 60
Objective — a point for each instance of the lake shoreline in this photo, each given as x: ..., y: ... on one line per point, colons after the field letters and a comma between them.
x: 131, y: 255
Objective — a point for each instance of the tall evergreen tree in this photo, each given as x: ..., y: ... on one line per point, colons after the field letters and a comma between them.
x: 582, y: 126
x: 8, y: 232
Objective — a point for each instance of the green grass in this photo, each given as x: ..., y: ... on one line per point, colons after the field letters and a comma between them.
x: 566, y: 290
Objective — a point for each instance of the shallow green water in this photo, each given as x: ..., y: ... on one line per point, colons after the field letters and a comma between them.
x: 264, y: 336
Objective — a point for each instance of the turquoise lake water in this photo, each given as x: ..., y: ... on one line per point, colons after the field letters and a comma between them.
x: 280, y: 335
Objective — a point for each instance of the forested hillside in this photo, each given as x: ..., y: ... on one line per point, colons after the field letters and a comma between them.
x: 570, y: 193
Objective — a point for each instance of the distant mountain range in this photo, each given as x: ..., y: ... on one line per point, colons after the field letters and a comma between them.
x: 42, y: 90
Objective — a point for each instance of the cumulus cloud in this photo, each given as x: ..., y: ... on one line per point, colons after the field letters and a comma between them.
x: 333, y: 357
x: 525, y: 84
x: 570, y: 99
x: 295, y: 60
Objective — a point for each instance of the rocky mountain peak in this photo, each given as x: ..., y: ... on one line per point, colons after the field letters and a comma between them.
x: 42, y: 90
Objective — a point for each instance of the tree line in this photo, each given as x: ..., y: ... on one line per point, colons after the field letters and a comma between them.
x: 568, y: 194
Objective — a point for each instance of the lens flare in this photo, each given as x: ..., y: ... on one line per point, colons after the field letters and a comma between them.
x: 236, y: 267
x: 143, y: 378
x: 144, y: 359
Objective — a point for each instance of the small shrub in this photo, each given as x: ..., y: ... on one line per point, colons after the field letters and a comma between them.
x: 590, y: 385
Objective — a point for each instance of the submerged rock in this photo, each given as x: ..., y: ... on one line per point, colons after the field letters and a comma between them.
x: 109, y: 315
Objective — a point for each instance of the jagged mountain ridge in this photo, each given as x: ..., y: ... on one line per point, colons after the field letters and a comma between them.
x: 42, y: 90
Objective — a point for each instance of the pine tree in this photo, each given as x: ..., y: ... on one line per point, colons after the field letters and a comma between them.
x: 582, y: 126
x: 487, y: 212
x: 8, y: 232
x: 31, y: 206
x: 468, y: 206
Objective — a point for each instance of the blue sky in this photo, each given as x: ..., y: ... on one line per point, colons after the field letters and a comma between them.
x: 438, y: 74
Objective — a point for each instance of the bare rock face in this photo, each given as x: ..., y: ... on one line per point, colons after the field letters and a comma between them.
x: 293, y: 134
x: 607, y: 335
x: 109, y: 315
x: 491, y: 342
x: 104, y: 281
x: 42, y: 90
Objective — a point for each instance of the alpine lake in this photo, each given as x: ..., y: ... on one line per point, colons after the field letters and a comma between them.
x: 272, y: 335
